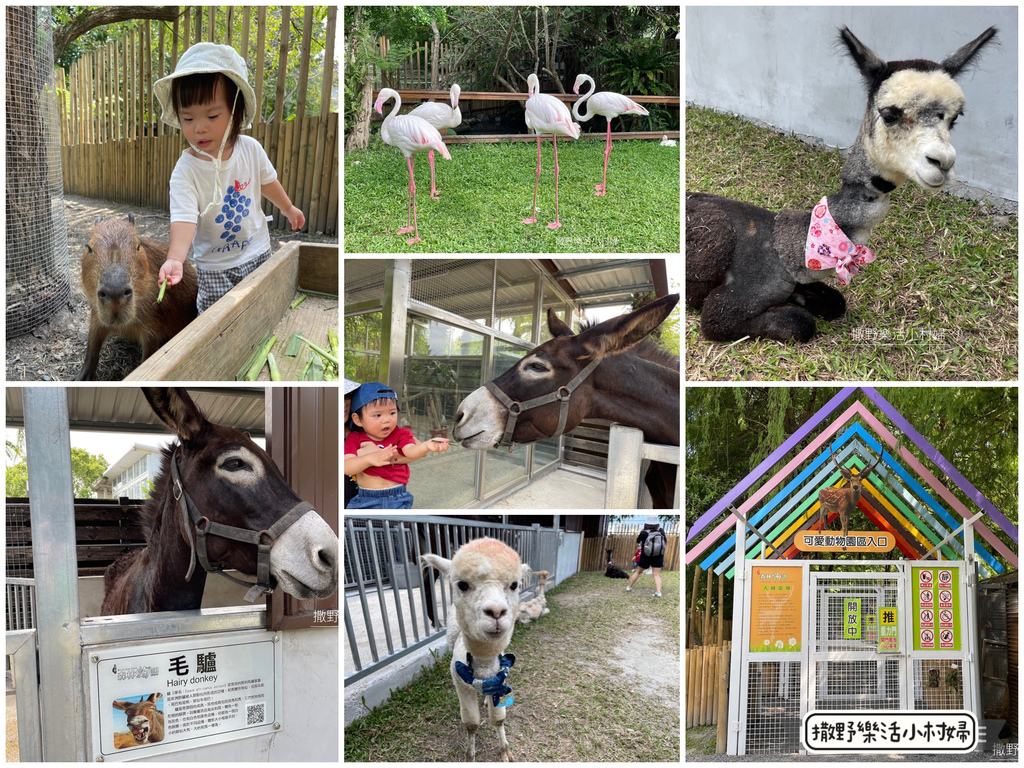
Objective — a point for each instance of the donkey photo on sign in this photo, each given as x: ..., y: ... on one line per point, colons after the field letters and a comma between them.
x: 759, y: 274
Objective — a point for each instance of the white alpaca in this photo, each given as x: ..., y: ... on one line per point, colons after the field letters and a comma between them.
x: 487, y: 576
x: 533, y: 609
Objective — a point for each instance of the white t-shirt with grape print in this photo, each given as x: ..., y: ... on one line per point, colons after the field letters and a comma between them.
x: 235, y: 230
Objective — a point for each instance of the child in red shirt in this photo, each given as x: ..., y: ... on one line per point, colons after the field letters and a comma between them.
x: 378, y: 451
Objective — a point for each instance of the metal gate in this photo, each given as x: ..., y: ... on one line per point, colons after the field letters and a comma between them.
x: 835, y: 660
x: 847, y: 669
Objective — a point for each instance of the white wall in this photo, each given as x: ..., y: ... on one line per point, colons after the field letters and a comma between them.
x: 781, y: 65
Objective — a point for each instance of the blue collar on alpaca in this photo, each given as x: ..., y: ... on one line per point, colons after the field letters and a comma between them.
x: 495, y: 686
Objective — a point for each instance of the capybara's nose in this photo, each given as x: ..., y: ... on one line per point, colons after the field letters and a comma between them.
x: 115, y: 285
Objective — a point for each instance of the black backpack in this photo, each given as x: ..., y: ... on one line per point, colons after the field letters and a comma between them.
x: 654, y: 545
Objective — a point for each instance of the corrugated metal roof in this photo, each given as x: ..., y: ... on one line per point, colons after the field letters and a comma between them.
x: 124, y: 409
x: 606, y: 281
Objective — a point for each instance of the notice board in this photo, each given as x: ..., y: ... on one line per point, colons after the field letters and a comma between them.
x: 936, y: 609
x: 776, y: 609
x: 153, y: 697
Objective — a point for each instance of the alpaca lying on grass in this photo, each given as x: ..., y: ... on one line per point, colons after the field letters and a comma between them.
x: 746, y: 267
x: 533, y: 609
x: 486, y: 576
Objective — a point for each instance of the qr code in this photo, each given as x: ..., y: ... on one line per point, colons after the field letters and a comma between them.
x: 255, y: 714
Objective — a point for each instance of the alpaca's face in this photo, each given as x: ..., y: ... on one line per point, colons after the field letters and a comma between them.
x: 487, y: 578
x: 909, y: 124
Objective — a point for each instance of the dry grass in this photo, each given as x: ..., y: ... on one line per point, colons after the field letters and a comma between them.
x: 596, y: 680
x: 939, y: 304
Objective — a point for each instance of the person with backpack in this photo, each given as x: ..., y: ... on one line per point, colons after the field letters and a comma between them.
x: 652, y: 544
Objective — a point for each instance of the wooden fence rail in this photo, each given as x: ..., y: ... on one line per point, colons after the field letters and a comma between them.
x: 593, y: 555
x: 115, y: 147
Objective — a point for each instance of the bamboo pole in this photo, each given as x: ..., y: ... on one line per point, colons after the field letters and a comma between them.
x: 723, y: 700
x: 706, y: 640
x: 721, y: 607
x: 693, y: 604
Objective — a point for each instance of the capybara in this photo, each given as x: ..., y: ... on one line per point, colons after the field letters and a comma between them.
x: 119, y: 277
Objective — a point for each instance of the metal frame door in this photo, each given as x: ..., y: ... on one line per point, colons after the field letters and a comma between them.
x: 844, y: 673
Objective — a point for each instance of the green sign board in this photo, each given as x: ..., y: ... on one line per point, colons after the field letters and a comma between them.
x: 936, y: 616
x: 851, y: 623
x: 888, y: 630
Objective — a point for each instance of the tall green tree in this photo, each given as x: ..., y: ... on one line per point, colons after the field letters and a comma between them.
x: 86, y: 469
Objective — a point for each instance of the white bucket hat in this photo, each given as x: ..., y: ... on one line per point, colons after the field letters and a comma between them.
x: 207, y: 58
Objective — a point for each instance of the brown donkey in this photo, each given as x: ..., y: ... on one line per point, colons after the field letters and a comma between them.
x: 221, y: 500
x: 610, y: 370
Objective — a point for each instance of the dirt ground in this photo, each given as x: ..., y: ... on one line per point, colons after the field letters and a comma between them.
x: 55, y: 350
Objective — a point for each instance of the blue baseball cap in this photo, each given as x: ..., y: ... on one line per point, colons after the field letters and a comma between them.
x: 370, y: 391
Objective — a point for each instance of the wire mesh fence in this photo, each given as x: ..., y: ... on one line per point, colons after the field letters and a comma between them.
x: 38, y: 276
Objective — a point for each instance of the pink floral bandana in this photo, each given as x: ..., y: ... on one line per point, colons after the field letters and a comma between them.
x: 828, y: 247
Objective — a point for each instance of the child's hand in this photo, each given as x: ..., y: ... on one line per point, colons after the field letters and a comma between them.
x: 382, y: 457
x: 296, y: 218
x: 172, y: 270
x: 437, y: 444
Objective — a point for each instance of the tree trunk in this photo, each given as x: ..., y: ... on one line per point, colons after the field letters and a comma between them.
x: 359, y: 136
x: 435, y: 57
x: 97, y: 17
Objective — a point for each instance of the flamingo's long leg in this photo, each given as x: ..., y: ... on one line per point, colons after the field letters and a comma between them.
x: 601, y: 188
x: 411, y: 161
x: 556, y: 223
x: 536, y: 182
x: 433, y: 189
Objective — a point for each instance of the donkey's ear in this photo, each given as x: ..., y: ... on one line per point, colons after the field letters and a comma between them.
x: 175, y: 409
x: 955, y: 63
x: 556, y: 326
x: 624, y: 331
x: 872, y: 67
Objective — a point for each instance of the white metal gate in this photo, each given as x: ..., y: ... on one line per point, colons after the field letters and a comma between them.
x: 847, y: 671
x: 841, y: 669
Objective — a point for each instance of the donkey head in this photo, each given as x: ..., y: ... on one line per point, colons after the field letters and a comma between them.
x: 232, y: 481
x: 145, y: 720
x: 558, y: 369
x: 912, y: 106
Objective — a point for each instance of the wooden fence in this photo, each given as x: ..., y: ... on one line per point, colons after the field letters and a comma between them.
x: 104, y: 531
x: 593, y: 555
x: 115, y: 147
x: 707, y: 675
x: 415, y: 72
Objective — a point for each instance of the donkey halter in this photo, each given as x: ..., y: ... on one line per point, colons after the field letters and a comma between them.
x: 560, y: 395
x: 204, y: 526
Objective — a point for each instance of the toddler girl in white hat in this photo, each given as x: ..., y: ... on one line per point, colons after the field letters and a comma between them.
x: 217, y: 184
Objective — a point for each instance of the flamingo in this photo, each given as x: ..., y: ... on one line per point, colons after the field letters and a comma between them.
x: 608, y: 105
x: 546, y: 114
x: 409, y: 134
x: 442, y: 117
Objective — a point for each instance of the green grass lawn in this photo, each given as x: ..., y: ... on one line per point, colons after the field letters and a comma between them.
x: 487, y: 189
x: 938, y: 304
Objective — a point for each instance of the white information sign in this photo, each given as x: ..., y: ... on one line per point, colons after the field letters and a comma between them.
x: 154, y: 697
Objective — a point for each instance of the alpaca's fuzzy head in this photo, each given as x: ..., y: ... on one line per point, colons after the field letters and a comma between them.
x: 912, y: 106
x: 486, y: 576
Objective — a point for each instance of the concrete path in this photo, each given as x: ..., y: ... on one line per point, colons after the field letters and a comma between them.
x: 560, y: 489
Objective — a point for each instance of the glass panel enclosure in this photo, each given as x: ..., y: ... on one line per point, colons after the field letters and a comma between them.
x: 443, y: 364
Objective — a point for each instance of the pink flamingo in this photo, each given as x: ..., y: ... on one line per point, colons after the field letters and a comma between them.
x: 409, y: 134
x: 608, y: 105
x: 442, y: 117
x: 546, y: 114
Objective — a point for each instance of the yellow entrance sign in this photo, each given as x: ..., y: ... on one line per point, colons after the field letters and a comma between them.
x: 854, y: 541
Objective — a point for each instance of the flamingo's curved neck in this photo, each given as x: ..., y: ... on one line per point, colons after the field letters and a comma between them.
x: 576, y: 107
x: 385, y: 132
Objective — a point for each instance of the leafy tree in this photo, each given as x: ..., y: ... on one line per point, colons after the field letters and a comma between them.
x: 86, y: 469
